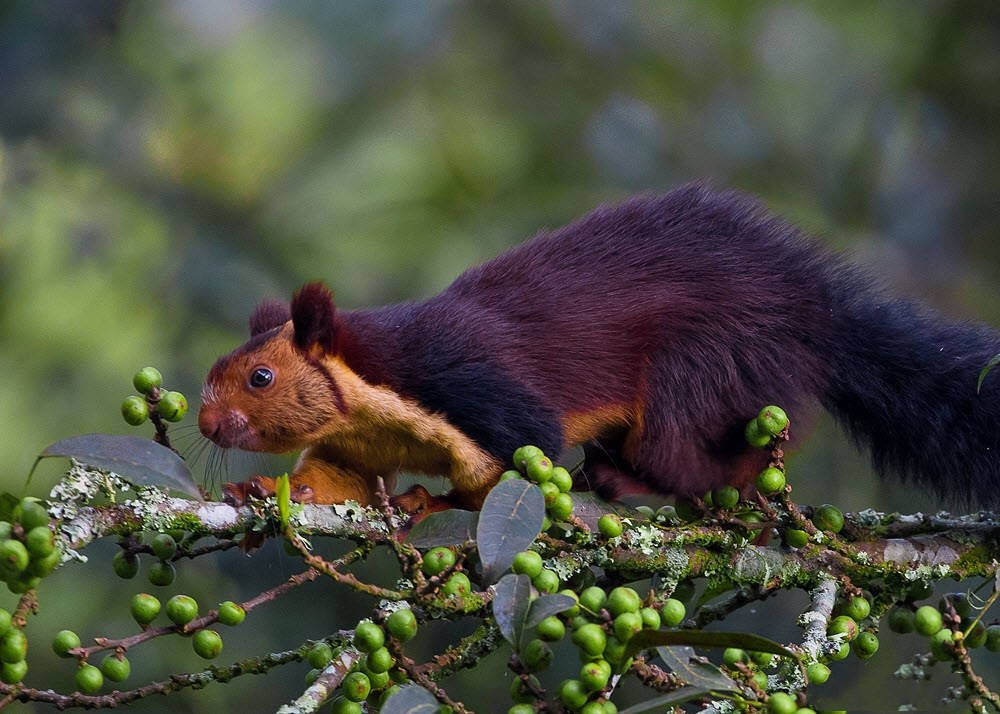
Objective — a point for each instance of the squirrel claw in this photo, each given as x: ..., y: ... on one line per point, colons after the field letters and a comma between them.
x: 236, y: 494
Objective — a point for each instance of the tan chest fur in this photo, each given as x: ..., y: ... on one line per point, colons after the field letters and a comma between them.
x: 384, y: 433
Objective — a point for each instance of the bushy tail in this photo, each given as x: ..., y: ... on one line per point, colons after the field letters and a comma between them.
x: 903, y: 382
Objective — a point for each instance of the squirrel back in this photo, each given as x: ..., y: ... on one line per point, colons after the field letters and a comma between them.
x: 651, y: 331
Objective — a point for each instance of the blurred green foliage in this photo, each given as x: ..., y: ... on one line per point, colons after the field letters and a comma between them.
x: 163, y: 165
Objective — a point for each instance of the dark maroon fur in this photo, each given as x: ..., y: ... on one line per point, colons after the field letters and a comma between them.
x: 269, y: 314
x: 314, y: 318
x: 699, y: 307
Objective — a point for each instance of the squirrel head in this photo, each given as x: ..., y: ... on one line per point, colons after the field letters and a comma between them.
x: 278, y: 392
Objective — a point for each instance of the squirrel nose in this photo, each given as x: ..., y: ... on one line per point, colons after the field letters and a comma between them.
x: 209, y: 422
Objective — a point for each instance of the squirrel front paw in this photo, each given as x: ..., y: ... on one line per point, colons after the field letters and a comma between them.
x: 236, y: 494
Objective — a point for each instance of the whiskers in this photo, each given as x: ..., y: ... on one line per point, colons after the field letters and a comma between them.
x: 215, y: 464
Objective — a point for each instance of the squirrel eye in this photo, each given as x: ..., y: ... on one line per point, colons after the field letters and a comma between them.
x: 261, y: 377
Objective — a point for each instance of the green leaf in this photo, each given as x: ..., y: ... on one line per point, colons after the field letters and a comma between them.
x: 684, y: 694
x: 986, y: 370
x: 511, y: 601
x: 451, y: 527
x: 282, y: 493
x: 410, y: 699
x: 701, y: 638
x: 140, y: 461
x: 547, y: 605
x: 511, y: 518
x: 694, y: 670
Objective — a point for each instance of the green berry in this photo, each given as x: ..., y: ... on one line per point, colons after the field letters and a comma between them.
x: 760, y: 679
x: 164, y: 546
x: 651, y: 619
x: 380, y: 660
x: 145, y: 608
x: 673, y: 612
x: 623, y: 599
x: 733, y: 655
x: 977, y: 637
x: 843, y: 624
x: 725, y: 497
x: 573, y: 694
x: 520, y: 692
x: 592, y: 708
x: 319, y: 655
x: 993, y: 638
x: 172, y: 406
x: 207, y: 644
x: 510, y: 474
x: 573, y: 610
x: 841, y: 652
x: 755, y: 436
x: 536, y: 656
x: 561, y: 507
x: 551, y: 629
x: 772, y: 420
x: 181, y: 609
x: 231, y: 613
x: 402, y: 624
x: 941, y: 642
x: 39, y: 541
x: 356, y: 686
x: 770, y: 481
x: 610, y: 525
x: 927, y: 620
x: 13, y: 646
x: 368, y: 636
x: 6, y: 622
x: 65, y: 640
x: 828, y: 518
x: 562, y: 478
x: 42, y: 567
x: 858, y: 608
x: 145, y: 381
x: 595, y: 675
x: 614, y: 652
x: 901, y: 620
x: 761, y: 659
x: 89, y: 679
x: 539, y: 469
x: 13, y: 672
x: 590, y: 638
x: 593, y: 599
x: 549, y: 492
x: 781, y: 703
x: 609, y: 707
x: 457, y: 584
x: 626, y: 625
x: 866, y: 645
x: 521, y: 709
x: 343, y: 705
x: 30, y: 513
x: 795, y: 538
x: 135, y: 410
x: 311, y: 676
x: 546, y: 582
x: 13, y: 557
x: 161, y: 573
x: 818, y: 673
x: 437, y: 560
x: 379, y: 680
x: 125, y: 565
x: 527, y: 562
x: 525, y: 454
x: 116, y: 670
x: 919, y: 590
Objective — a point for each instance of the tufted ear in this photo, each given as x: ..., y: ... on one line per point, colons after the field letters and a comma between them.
x: 314, y: 319
x: 269, y: 314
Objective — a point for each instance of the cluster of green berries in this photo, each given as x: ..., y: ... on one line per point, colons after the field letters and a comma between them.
x: 555, y: 482
x: 163, y: 546
x: 600, y: 626
x: 846, y: 628
x: 28, y: 552
x: 377, y: 671
x: 930, y: 621
x: 439, y: 560
x: 529, y: 563
x: 740, y: 662
x: 768, y: 425
x: 28, y: 548
x: 148, y: 381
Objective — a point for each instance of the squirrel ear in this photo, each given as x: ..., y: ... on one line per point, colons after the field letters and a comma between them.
x: 269, y: 314
x: 314, y: 319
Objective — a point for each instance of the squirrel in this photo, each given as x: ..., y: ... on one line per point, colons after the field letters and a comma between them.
x: 649, y: 332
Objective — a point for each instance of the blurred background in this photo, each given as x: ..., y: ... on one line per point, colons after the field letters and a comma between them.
x: 164, y: 165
